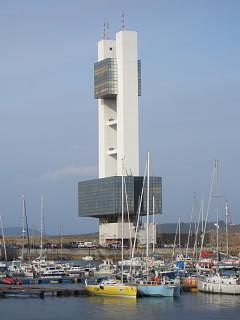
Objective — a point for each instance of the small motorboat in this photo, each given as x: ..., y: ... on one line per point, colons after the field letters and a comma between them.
x: 53, y: 272
x: 87, y: 258
x: 10, y: 281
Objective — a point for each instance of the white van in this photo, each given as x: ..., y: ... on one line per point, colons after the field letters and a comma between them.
x: 88, y: 244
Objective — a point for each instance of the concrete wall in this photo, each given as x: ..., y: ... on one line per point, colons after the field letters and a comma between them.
x: 106, y: 111
x: 127, y: 102
x: 114, y: 231
x: 98, y: 253
x: 122, y: 138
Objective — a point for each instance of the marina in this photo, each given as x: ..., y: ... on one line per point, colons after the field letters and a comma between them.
x: 108, y: 278
x: 197, y: 271
x: 119, y: 160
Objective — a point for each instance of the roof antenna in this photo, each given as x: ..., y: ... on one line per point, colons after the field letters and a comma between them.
x: 107, y: 30
x: 104, y: 31
x: 122, y: 22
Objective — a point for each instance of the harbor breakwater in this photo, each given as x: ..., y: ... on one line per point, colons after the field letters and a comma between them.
x: 97, y: 253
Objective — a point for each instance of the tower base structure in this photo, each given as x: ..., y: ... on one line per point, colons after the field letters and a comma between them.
x: 102, y: 199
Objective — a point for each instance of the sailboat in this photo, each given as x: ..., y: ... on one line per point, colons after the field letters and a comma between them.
x: 4, y: 277
x: 3, y: 265
x: 19, y: 268
x: 162, y: 287
x: 40, y: 264
x: 111, y: 286
x: 158, y: 287
x: 218, y: 282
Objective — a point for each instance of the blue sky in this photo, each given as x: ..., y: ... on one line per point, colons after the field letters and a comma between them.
x: 189, y: 109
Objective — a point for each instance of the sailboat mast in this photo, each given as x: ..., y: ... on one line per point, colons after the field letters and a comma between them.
x: 3, y: 237
x: 128, y: 215
x: 122, y: 222
x: 196, y: 231
x: 202, y: 213
x: 175, y: 240
x: 61, y: 242
x: 217, y: 208
x: 32, y: 241
x: 207, y: 212
x: 41, y: 228
x: 153, y: 224
x: 148, y: 182
x: 139, y: 211
x: 23, y: 226
x: 226, y: 208
x: 27, y: 229
x: 179, y: 234
x: 190, y: 225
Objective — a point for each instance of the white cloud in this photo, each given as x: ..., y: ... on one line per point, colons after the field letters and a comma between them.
x: 71, y: 171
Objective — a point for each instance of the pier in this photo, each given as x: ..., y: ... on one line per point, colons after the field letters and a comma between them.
x: 40, y: 291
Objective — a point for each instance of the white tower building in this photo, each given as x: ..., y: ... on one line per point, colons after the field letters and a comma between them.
x: 117, y: 86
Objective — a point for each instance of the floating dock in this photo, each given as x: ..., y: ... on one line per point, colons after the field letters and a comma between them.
x: 39, y: 291
x: 30, y: 281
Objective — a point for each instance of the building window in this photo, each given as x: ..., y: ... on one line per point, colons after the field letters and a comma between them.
x: 105, y: 78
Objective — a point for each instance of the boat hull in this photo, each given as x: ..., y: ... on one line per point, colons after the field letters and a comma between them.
x: 113, y: 290
x: 190, y: 285
x: 219, y: 288
x: 158, y: 290
x: 190, y: 288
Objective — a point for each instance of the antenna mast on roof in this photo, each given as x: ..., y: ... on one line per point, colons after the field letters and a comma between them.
x: 122, y: 22
x: 104, y: 31
x: 107, y: 30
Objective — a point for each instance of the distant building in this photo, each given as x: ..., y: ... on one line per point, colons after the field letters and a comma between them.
x: 117, y: 86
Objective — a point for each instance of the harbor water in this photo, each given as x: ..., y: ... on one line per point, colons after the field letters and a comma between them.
x: 187, y: 306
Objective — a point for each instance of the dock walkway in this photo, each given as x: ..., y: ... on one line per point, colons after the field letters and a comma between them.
x: 39, y: 291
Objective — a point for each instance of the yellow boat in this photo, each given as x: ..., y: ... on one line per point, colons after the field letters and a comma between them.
x: 112, y: 288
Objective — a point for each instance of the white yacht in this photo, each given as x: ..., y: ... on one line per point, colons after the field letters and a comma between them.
x: 219, y: 284
x: 53, y: 272
x: 20, y: 269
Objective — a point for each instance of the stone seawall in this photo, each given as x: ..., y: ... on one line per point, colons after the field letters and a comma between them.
x: 97, y: 253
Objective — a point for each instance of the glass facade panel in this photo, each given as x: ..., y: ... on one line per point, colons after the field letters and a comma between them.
x: 105, y: 78
x: 155, y: 195
x: 103, y: 197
